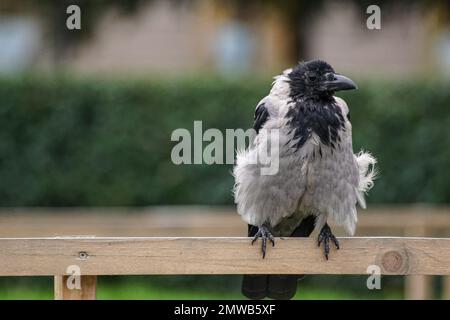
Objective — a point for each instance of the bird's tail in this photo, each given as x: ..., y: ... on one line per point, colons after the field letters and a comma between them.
x: 279, y: 287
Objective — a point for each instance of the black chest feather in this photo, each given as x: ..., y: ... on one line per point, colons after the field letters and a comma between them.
x: 324, y: 118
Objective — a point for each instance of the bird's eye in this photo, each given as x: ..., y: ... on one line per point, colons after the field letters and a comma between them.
x: 312, y: 77
x: 330, y: 76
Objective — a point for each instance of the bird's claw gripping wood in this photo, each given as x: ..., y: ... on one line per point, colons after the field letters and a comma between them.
x: 325, y: 236
x: 264, y: 234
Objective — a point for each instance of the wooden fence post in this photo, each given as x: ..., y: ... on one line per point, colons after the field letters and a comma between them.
x: 446, y: 288
x: 417, y: 287
x: 87, y: 289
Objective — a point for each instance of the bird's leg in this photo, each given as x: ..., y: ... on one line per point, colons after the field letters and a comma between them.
x: 325, y: 236
x: 264, y: 234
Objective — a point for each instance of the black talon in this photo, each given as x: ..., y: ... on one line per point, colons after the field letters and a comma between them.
x: 335, y: 241
x: 264, y: 234
x: 325, y: 236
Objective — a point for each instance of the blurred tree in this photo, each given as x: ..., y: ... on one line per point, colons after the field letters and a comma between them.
x: 297, y: 15
x: 53, y: 13
x: 62, y: 39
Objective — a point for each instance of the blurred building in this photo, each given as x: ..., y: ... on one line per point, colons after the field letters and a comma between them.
x: 179, y: 37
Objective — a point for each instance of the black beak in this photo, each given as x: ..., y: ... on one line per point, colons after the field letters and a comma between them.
x: 339, y: 83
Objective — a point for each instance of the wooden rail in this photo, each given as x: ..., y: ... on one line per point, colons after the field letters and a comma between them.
x: 134, y: 255
x: 186, y: 221
x: 131, y: 256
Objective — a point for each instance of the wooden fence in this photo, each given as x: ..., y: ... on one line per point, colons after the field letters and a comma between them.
x: 20, y: 255
x: 130, y: 256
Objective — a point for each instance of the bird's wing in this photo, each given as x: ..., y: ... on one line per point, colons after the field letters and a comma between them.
x: 267, y: 198
x: 341, y: 179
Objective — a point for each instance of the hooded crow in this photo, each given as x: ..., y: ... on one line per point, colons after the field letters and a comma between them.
x: 319, y: 177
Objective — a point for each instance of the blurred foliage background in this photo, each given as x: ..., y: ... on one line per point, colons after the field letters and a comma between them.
x: 85, y: 142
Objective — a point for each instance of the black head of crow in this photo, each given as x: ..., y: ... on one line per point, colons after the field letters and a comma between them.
x: 319, y: 177
x: 317, y: 80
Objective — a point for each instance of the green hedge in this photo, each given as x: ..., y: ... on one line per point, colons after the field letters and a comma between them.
x: 87, y: 142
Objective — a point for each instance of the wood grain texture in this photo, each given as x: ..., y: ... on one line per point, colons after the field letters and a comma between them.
x: 87, y: 290
x: 417, y: 287
x: 129, y: 256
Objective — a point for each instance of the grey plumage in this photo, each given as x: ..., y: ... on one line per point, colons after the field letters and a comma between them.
x: 318, y: 174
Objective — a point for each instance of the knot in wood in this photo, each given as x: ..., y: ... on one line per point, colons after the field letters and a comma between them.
x: 393, y: 261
